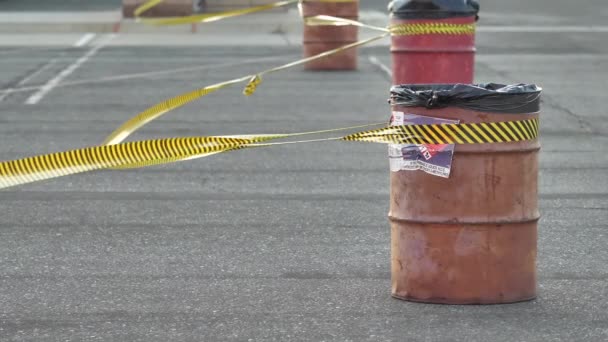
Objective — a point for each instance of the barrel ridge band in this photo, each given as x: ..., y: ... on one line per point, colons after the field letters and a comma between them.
x: 410, y: 29
x: 163, y: 151
x: 468, y: 133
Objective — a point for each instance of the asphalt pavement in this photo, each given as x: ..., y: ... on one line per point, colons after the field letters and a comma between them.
x: 288, y: 242
x: 59, y: 5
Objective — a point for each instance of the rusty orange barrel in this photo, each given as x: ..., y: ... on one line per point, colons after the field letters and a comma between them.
x: 318, y: 39
x: 469, y: 238
x: 433, y: 41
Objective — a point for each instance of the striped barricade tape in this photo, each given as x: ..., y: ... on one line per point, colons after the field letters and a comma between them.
x: 202, y: 18
x: 154, y: 112
x: 254, y: 80
x: 412, y: 29
x: 210, y: 17
x: 468, y: 133
x: 163, y: 151
x: 318, y: 20
x: 397, y: 29
x: 403, y: 29
x: 140, y: 153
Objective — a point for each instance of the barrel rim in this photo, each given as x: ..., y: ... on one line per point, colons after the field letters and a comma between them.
x: 433, y: 9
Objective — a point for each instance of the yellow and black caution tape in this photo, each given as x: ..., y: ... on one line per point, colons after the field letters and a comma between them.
x: 195, y: 155
x: 115, y: 154
x: 141, y: 153
x: 318, y: 20
x: 469, y: 133
x: 404, y: 29
x: 152, y: 113
x: 327, y: 53
x: 162, y: 151
x: 411, y: 29
x: 130, y: 155
x: 202, y: 18
x: 254, y: 80
x: 161, y: 108
x: 122, y: 132
x: 210, y: 17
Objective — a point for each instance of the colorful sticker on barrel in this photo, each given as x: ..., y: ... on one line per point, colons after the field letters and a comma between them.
x: 435, y: 159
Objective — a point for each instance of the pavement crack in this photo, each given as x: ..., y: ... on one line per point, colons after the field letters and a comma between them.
x: 546, y: 100
x: 17, y: 82
x: 582, y: 123
x: 286, y: 39
x: 281, y: 31
x: 380, y: 67
x: 500, y: 73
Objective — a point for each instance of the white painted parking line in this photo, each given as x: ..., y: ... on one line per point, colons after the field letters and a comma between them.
x: 149, y: 74
x: 26, y: 79
x: 52, y: 83
x: 84, y: 40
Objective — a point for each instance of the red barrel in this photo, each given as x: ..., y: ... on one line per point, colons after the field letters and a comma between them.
x: 434, y: 41
x: 470, y: 238
x: 318, y: 39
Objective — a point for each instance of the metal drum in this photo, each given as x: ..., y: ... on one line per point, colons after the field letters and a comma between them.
x: 318, y: 39
x: 433, y: 41
x: 470, y: 238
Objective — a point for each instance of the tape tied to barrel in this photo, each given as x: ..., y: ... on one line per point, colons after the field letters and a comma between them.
x: 397, y: 29
x: 466, y: 133
x: 163, y: 151
x: 411, y: 29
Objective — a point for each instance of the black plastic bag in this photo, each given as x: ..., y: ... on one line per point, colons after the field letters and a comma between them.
x: 433, y: 9
x: 491, y: 97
